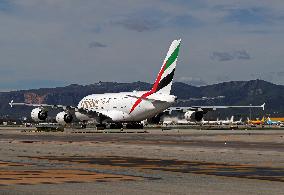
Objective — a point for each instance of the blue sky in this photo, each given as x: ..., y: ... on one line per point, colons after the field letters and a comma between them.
x: 51, y: 43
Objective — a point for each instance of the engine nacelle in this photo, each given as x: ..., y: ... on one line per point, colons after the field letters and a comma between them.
x: 194, y: 115
x: 64, y: 118
x: 38, y: 114
x: 82, y: 117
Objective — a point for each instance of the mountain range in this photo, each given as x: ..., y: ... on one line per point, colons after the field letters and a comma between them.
x: 254, y: 92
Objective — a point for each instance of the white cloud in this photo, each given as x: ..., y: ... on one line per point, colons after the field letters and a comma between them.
x: 192, y: 81
x: 51, y: 39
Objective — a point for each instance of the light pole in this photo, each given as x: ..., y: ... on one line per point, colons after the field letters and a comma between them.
x: 250, y: 112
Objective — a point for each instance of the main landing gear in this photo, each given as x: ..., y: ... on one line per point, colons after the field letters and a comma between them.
x: 134, y: 126
x: 102, y: 126
x: 116, y: 126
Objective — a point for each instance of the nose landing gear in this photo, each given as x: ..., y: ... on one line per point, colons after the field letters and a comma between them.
x: 83, y: 126
x: 101, y: 126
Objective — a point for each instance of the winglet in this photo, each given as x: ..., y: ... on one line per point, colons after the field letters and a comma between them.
x: 262, y: 106
x: 11, y: 103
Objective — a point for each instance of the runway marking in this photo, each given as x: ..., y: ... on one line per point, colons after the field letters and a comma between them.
x: 54, y: 176
x: 12, y: 164
x: 25, y: 177
x: 195, y: 167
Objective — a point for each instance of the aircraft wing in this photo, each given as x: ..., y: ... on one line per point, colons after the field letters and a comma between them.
x: 208, y: 108
x: 90, y: 113
x: 12, y: 103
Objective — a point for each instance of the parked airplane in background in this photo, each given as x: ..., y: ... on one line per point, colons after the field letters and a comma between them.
x: 127, y: 107
x: 196, y: 113
x: 256, y: 122
x: 222, y: 122
x: 169, y: 121
x: 207, y: 122
x: 175, y: 121
x: 186, y: 122
x: 239, y: 122
x: 272, y: 122
x: 227, y: 122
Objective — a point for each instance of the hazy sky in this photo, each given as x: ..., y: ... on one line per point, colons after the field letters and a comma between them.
x: 47, y: 43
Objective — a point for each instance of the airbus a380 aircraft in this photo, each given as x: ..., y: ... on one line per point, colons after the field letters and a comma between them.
x: 124, y: 107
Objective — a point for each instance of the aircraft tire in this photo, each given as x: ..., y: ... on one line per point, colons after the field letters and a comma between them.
x: 134, y: 126
x: 101, y: 126
x: 116, y: 126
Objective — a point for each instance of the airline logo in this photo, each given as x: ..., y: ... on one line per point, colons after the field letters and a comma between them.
x: 165, y: 75
x: 91, y: 103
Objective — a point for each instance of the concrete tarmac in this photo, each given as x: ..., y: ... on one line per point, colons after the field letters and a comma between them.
x: 175, y: 161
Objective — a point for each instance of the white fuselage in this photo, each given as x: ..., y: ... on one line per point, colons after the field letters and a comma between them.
x: 117, y: 106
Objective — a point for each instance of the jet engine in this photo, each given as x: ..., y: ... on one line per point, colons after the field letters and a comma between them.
x: 64, y: 118
x: 38, y: 114
x: 194, y: 115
